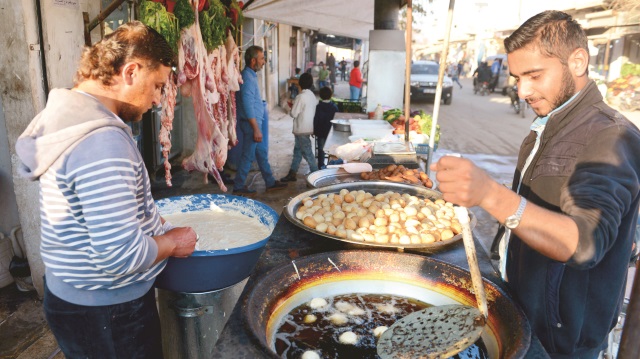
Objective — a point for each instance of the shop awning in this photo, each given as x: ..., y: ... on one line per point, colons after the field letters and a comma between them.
x: 351, y: 18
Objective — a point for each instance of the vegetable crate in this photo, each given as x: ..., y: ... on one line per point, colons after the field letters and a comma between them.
x: 349, y: 106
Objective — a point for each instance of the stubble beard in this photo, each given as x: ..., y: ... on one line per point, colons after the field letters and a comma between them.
x: 130, y: 113
x: 567, y: 90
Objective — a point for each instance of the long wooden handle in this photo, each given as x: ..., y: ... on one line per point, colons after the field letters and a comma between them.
x: 470, y: 249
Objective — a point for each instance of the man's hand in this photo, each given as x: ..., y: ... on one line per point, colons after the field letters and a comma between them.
x: 185, y: 240
x: 461, y: 181
x: 257, y: 136
x: 177, y: 242
x: 257, y: 133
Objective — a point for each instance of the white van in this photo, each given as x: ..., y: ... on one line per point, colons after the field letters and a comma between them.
x: 503, y: 76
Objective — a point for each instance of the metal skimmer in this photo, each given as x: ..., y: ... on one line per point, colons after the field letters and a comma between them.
x: 440, y: 331
x: 436, y: 332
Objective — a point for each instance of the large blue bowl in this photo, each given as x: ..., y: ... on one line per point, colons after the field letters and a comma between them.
x: 206, y: 271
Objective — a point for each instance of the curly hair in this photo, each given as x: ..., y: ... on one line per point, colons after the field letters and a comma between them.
x: 133, y: 40
x: 554, y: 33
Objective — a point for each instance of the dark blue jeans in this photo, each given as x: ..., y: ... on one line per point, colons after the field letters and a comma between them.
x: 127, y: 330
x: 320, y: 141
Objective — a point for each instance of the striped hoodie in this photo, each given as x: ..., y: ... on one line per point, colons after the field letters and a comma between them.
x: 96, y: 210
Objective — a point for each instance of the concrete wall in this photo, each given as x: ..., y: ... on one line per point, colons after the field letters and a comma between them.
x: 9, y: 208
x: 284, y: 58
x: 22, y: 97
x: 21, y: 80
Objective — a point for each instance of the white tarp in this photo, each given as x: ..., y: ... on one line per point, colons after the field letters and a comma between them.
x: 351, y: 18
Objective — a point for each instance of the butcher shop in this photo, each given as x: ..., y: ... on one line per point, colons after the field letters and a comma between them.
x: 369, y: 256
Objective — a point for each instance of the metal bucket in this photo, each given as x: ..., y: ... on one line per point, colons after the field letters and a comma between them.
x: 192, y: 322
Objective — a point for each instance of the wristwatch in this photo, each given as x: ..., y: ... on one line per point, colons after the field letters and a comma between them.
x: 514, y: 220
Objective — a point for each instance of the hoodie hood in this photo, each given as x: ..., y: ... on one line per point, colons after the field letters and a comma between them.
x: 67, y: 118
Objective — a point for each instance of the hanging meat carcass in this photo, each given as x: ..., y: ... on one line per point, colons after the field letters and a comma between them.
x: 211, y: 145
x: 211, y: 79
x: 235, y: 79
x: 168, y: 103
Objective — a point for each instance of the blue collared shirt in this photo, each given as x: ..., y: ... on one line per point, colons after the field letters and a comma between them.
x: 250, y: 102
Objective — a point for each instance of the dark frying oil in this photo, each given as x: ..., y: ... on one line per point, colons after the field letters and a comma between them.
x: 294, y: 336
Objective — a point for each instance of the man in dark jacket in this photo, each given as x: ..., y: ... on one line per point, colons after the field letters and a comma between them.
x: 325, y: 110
x: 572, y: 213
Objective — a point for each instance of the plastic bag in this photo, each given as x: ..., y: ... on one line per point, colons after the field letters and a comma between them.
x: 358, y: 150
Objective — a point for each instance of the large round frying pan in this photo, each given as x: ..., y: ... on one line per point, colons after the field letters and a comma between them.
x: 507, y: 333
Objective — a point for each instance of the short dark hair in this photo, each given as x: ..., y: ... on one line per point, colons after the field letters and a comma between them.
x: 554, y: 33
x: 133, y: 40
x: 305, y: 81
x: 297, y: 70
x: 356, y: 63
x: 252, y: 53
x: 325, y: 93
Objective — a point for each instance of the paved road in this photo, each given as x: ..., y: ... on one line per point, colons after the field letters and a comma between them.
x: 475, y: 124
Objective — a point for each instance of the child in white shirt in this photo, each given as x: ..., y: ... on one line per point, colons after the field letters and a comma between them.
x: 303, y: 111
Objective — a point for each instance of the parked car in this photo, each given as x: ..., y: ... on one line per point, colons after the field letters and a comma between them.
x: 424, y: 80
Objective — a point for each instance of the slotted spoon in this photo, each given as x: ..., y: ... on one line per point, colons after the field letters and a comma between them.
x: 445, y: 330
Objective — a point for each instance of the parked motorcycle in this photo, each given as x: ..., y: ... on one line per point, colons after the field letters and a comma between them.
x: 482, y: 87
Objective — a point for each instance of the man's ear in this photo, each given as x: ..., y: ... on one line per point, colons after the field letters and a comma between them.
x: 129, y: 71
x: 579, y: 62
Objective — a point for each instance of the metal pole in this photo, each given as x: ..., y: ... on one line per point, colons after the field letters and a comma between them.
x: 436, y: 102
x: 407, y: 71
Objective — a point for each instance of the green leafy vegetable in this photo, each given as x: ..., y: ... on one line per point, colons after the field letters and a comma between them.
x: 425, y: 122
x: 154, y: 15
x: 392, y: 115
x: 213, y: 25
x: 235, y: 13
x: 185, y: 13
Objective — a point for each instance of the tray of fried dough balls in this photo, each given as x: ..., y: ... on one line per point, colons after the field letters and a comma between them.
x: 379, y: 214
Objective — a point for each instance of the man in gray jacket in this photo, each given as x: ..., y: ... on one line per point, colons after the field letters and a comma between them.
x: 103, y: 241
x: 572, y: 212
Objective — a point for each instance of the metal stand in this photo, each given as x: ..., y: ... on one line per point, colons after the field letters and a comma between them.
x: 192, y: 322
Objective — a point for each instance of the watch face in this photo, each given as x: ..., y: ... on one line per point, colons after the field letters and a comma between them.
x: 511, y: 222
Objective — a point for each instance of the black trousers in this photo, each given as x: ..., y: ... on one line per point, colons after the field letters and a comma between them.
x: 126, y: 330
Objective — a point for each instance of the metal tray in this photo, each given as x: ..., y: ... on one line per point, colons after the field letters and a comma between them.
x: 341, y: 125
x: 332, y: 176
x: 393, y: 148
x: 374, y: 187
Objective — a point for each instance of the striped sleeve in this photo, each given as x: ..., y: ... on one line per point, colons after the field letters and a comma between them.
x: 93, y: 212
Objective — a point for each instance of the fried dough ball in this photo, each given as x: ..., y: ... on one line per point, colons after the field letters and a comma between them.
x: 348, y: 338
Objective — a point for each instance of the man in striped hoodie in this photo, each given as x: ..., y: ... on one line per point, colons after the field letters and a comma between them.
x: 103, y: 241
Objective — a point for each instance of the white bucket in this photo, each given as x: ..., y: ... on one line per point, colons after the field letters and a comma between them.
x: 6, y: 253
